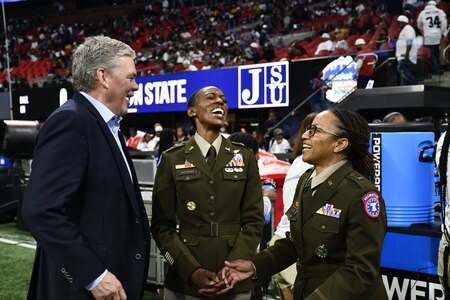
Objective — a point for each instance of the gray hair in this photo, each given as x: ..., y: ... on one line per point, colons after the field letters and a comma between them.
x: 96, y: 52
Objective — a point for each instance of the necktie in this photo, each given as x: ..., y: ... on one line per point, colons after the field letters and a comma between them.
x: 211, y: 157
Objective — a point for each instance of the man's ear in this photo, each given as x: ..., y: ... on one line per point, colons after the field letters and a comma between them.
x: 102, y: 77
x: 342, y: 144
x: 191, y: 112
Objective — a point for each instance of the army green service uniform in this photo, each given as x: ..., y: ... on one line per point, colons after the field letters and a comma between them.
x: 337, y: 233
x: 219, y: 212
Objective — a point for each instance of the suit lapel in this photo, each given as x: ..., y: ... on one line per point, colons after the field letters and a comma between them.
x: 118, y: 158
x: 325, y: 191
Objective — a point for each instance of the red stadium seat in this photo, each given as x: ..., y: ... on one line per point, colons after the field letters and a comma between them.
x: 338, y: 51
x: 351, y: 39
x: 352, y: 49
x: 323, y: 53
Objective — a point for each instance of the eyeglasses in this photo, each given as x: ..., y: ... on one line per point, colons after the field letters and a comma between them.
x: 312, y: 129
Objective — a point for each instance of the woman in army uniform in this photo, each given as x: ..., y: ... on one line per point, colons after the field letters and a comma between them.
x: 338, y: 219
x: 216, y: 201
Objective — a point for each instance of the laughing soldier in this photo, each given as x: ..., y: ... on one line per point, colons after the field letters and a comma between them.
x: 209, y: 187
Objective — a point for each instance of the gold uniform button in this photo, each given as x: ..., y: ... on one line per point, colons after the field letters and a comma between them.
x: 211, y: 198
x: 187, y: 178
x: 235, y: 176
x: 323, y: 227
x: 191, y: 205
x: 211, y: 182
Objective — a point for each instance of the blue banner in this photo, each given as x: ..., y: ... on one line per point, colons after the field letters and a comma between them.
x: 252, y: 86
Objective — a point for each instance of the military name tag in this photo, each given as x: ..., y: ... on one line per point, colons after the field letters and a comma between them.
x: 189, y: 171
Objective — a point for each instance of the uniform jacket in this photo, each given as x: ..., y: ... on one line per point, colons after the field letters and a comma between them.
x: 83, y: 209
x: 219, y: 212
x: 337, y: 257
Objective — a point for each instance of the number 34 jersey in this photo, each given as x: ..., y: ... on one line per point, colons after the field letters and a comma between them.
x: 432, y: 21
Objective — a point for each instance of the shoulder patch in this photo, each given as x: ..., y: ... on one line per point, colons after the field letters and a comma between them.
x: 176, y: 146
x: 371, y: 201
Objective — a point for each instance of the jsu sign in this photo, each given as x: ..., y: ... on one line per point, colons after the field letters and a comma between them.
x: 264, y: 85
x: 253, y: 86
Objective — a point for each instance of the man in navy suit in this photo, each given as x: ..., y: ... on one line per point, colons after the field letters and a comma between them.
x: 82, y: 203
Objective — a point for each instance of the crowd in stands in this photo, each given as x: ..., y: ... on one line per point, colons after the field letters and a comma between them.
x: 179, y: 38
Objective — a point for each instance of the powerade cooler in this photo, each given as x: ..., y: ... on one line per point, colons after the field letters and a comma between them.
x: 404, y: 173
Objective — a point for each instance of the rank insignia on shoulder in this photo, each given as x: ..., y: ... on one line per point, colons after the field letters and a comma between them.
x: 175, y: 146
x: 371, y: 202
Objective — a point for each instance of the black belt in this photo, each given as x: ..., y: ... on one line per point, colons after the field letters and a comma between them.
x: 210, y: 229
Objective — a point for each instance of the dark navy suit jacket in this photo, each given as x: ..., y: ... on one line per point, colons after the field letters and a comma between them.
x: 83, y: 209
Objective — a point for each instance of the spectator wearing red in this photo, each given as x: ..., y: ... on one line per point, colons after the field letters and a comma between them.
x: 134, y: 139
x: 365, y: 62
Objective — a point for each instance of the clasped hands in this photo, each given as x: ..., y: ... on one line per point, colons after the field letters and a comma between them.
x: 209, y: 283
x: 212, y: 285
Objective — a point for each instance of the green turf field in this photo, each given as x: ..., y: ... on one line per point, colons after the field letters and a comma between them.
x: 16, y: 263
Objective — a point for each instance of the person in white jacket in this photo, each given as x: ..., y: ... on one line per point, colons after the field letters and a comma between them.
x: 279, y: 144
x: 432, y: 21
x: 327, y: 44
x: 285, y: 279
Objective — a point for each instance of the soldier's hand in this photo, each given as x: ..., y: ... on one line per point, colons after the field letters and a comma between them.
x: 222, y: 288
x: 218, y: 289
x: 237, y: 271
x: 204, y: 279
x: 109, y: 288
